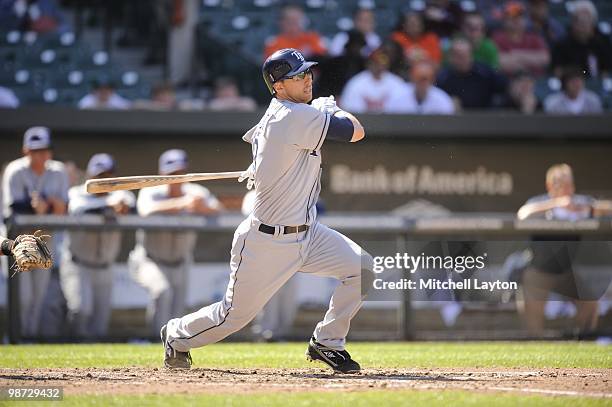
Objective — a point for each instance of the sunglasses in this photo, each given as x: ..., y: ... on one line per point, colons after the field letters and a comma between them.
x: 300, y: 76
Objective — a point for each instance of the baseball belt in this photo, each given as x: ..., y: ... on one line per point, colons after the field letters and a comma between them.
x: 286, y: 229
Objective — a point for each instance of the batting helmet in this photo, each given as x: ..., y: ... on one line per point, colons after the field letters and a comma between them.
x: 284, y: 64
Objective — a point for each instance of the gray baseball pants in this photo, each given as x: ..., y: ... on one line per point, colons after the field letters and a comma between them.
x: 260, y: 264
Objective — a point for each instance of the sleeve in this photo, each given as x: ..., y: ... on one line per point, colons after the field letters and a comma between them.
x: 15, y: 192
x: 64, y: 185
x: 144, y: 201
x: 308, y: 127
x: 446, y: 103
x: 340, y: 129
x: 337, y: 44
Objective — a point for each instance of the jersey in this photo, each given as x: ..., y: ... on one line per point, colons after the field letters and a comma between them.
x: 19, y: 182
x: 286, y: 146
x: 170, y: 246
x: 95, y: 247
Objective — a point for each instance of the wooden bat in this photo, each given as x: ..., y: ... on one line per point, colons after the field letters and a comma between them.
x: 101, y: 185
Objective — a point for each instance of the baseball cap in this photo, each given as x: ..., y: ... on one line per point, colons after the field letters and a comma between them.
x: 99, y: 164
x: 172, y: 160
x: 37, y: 138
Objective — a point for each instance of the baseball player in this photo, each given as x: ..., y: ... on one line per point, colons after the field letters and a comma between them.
x: 86, y: 272
x: 34, y: 184
x: 161, y: 259
x: 282, y: 236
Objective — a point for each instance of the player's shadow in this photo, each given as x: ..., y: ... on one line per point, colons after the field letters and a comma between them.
x: 357, y: 376
x: 378, y: 376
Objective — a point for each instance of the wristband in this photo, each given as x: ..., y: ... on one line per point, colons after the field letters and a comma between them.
x: 6, y: 246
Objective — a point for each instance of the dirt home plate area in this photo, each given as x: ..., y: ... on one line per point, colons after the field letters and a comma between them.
x: 160, y: 381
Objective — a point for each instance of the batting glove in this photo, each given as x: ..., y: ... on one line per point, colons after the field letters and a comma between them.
x: 249, y: 175
x: 326, y: 105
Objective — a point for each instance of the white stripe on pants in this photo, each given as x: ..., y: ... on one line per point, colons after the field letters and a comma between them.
x: 261, y: 264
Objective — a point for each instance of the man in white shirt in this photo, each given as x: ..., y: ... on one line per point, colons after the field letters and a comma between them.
x: 370, y: 91
x: 104, y: 96
x: 421, y: 96
x: 574, y: 98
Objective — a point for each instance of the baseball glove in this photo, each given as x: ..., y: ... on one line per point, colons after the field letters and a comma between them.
x: 31, y: 252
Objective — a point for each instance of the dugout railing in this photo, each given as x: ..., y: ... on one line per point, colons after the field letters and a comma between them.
x: 472, y: 227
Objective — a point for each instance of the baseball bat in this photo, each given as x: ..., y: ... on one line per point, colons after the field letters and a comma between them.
x: 101, y: 185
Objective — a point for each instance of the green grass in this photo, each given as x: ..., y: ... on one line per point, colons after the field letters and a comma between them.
x: 291, y: 355
x: 351, y: 399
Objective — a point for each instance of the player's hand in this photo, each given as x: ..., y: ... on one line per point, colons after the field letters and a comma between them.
x: 121, y: 208
x: 58, y: 206
x: 39, y: 205
x: 197, y: 204
x: 325, y: 104
x: 249, y: 175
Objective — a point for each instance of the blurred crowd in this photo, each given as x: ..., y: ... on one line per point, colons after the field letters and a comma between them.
x: 442, y: 57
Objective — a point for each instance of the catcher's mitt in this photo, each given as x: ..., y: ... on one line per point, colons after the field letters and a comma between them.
x: 31, y: 252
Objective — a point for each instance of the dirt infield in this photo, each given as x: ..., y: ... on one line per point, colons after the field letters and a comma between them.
x: 555, y: 382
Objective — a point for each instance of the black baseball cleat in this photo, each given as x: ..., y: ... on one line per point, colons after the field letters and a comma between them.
x: 340, y: 361
x: 174, y: 359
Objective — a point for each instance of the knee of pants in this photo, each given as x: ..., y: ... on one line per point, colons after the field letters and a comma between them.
x: 367, y: 271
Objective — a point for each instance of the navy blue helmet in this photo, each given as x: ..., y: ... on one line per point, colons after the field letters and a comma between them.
x: 284, y: 64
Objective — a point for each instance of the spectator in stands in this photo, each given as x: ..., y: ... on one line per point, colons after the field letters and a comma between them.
x: 573, y: 98
x: 335, y: 72
x: 292, y: 26
x: 420, y: 96
x: 86, y: 272
x: 103, y: 96
x: 551, y: 267
x: 163, y: 97
x: 541, y: 22
x: 41, y: 16
x: 227, y: 97
x: 584, y: 46
x: 521, y: 94
x: 397, y: 63
x: 364, y: 22
x: 35, y: 184
x: 371, y: 90
x: 472, y: 85
x: 484, y: 49
x: 417, y: 43
x: 181, y: 39
x: 8, y: 100
x: 443, y: 17
x: 520, y: 50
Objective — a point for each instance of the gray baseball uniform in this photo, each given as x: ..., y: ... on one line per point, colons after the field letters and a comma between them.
x: 161, y: 259
x: 286, y: 147
x: 19, y: 183
x: 86, y: 272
